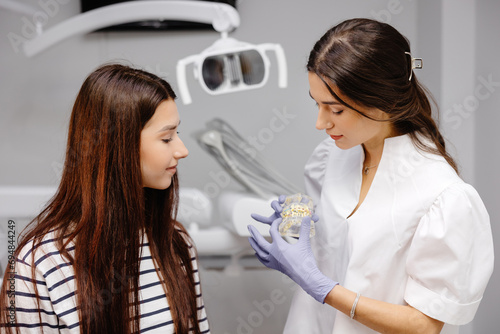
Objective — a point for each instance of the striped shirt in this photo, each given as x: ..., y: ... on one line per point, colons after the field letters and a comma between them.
x: 55, y: 281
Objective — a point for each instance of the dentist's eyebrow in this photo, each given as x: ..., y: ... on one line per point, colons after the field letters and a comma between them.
x: 169, y: 127
x: 333, y: 103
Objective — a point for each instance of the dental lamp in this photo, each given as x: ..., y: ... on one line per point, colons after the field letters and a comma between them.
x: 227, y: 66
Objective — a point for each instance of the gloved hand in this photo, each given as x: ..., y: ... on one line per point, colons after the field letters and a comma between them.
x: 294, y: 260
x: 276, y: 205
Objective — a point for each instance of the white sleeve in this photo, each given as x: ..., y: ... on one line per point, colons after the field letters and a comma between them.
x: 315, y: 169
x: 451, y: 257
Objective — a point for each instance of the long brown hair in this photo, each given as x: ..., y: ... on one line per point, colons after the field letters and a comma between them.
x: 366, y: 61
x: 102, y: 207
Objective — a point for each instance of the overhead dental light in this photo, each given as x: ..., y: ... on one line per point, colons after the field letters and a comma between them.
x: 227, y: 66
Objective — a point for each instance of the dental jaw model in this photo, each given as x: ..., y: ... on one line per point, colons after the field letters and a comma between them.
x: 295, y: 208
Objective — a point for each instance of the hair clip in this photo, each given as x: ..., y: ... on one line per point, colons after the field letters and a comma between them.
x: 416, y: 63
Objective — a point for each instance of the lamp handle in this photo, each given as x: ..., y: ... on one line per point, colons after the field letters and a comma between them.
x: 181, y: 79
x: 280, y: 57
x: 283, y: 74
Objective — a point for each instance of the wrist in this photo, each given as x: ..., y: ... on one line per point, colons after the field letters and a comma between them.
x: 321, y: 287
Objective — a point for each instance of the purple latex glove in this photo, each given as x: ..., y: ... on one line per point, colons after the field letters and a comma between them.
x: 276, y: 205
x: 294, y: 260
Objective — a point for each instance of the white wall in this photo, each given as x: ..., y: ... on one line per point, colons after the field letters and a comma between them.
x: 36, y: 96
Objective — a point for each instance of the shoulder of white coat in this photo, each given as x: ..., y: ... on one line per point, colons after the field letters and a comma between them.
x: 323, y: 149
x: 327, y: 152
x: 316, y: 164
x: 411, y: 167
x: 464, y: 200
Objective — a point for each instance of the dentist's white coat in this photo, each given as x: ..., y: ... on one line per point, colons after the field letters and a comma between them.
x: 421, y: 237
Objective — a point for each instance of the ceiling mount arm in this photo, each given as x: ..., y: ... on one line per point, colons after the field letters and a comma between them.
x: 223, y: 18
x: 18, y: 7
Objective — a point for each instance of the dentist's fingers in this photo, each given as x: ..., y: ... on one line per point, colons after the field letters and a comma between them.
x: 305, y: 229
x: 304, y: 200
x: 263, y: 219
x: 274, y: 230
x: 264, y: 262
x: 259, y: 239
x: 315, y: 218
x: 261, y: 254
x: 276, y: 207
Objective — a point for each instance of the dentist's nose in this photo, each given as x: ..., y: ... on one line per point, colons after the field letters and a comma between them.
x: 323, y: 122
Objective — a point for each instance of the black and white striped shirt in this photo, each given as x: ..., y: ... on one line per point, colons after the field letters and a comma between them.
x: 55, y: 281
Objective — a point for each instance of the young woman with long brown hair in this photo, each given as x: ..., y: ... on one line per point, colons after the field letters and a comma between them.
x: 107, y: 255
x: 403, y: 244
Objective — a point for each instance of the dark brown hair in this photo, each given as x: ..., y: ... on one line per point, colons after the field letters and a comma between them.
x: 366, y: 61
x: 102, y: 207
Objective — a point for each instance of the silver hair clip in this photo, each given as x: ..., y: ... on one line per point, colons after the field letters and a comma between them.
x: 416, y: 63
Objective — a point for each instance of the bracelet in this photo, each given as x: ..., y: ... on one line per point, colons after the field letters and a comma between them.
x: 353, y: 309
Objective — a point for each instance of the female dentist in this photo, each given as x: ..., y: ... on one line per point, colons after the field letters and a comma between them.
x: 403, y: 244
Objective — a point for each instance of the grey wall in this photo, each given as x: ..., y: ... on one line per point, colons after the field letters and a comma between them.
x: 487, y: 137
x: 36, y: 96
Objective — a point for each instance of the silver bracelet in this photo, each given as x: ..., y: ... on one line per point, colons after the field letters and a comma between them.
x: 353, y: 309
